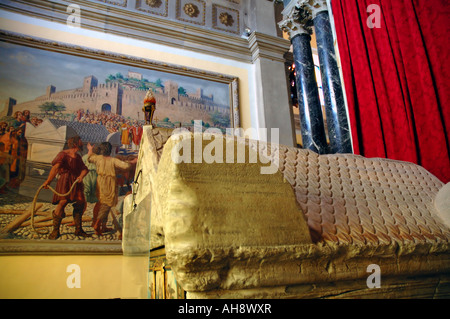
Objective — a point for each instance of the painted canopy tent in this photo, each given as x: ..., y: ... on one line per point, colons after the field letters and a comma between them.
x: 394, y: 58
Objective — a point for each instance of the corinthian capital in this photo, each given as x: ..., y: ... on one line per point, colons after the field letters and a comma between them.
x: 314, y: 7
x: 299, y: 7
x: 299, y: 14
x: 296, y: 20
x: 293, y: 27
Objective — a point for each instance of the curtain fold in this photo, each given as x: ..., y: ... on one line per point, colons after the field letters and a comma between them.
x: 397, y: 79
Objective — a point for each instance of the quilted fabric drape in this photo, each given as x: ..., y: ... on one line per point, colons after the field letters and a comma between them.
x: 396, y: 73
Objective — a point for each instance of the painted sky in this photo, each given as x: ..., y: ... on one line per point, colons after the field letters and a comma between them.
x: 25, y: 73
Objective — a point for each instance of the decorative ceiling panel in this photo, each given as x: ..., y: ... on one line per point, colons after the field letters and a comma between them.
x: 222, y: 16
x: 225, y: 19
x: 158, y: 7
x: 122, y: 3
x: 192, y: 11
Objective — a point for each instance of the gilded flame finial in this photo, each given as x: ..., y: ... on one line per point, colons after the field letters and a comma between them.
x: 149, y: 106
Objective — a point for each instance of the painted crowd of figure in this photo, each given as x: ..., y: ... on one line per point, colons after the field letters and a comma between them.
x: 130, y: 130
x: 13, y: 149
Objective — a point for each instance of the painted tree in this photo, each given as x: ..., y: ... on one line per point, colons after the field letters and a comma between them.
x: 220, y: 119
x: 52, y: 107
x: 158, y: 83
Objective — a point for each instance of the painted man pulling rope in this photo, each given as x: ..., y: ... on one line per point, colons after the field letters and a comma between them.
x: 70, y: 168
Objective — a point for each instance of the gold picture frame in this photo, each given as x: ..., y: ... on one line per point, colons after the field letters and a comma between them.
x: 220, y: 105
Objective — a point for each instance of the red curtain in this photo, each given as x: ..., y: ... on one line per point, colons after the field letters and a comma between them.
x: 397, y: 79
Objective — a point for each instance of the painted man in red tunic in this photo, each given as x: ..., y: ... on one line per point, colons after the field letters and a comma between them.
x: 70, y: 167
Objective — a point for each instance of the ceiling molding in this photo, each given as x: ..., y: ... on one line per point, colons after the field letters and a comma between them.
x: 118, y: 21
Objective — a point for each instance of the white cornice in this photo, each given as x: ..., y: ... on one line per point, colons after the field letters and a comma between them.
x: 269, y: 47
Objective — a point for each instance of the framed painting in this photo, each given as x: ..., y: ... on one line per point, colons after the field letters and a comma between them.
x: 53, y: 92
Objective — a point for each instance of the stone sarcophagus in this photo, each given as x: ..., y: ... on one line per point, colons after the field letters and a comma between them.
x: 316, y: 226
